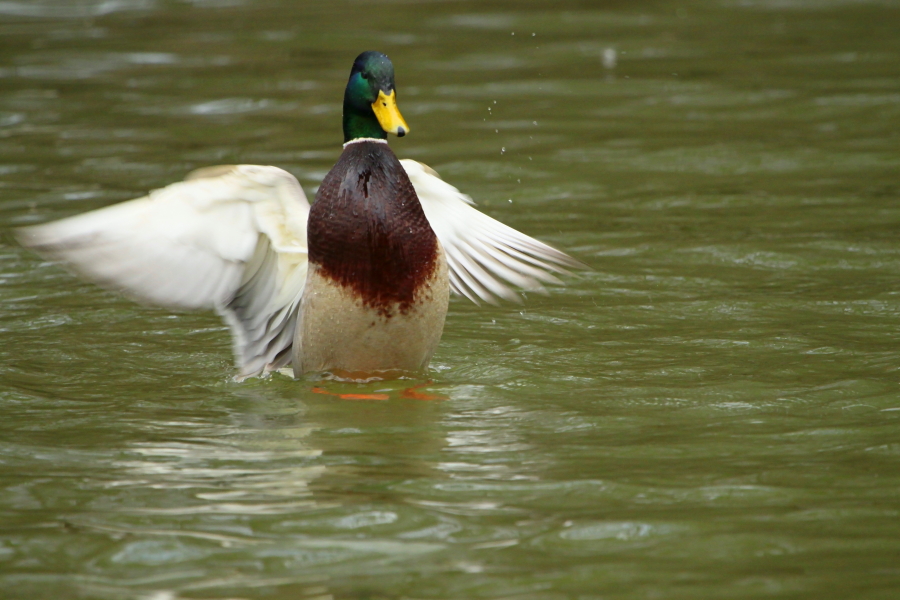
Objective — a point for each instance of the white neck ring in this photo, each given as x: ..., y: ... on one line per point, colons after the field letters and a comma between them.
x: 358, y: 140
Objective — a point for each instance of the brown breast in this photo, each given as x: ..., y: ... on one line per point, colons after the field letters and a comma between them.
x: 367, y: 230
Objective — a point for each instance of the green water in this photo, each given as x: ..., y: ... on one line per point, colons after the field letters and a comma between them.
x: 712, y: 412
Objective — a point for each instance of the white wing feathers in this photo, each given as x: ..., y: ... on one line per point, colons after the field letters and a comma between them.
x: 233, y: 238
x: 230, y: 238
x: 485, y: 256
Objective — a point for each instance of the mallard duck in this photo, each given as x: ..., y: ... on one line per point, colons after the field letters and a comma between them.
x: 357, y: 283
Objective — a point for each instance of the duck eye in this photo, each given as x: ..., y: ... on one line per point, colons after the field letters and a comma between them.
x: 364, y: 75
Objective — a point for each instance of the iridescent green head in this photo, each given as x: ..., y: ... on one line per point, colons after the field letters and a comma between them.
x: 370, y: 101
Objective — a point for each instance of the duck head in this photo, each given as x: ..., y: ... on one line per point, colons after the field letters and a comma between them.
x: 370, y: 100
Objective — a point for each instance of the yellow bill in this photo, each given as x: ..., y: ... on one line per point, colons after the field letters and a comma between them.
x: 388, y: 114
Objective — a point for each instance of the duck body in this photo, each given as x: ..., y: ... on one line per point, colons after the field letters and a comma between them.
x: 377, y: 288
x: 358, y: 283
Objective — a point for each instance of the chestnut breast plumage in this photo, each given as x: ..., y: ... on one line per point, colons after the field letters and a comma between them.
x: 367, y: 231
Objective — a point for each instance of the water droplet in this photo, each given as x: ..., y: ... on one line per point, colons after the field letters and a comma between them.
x: 609, y: 58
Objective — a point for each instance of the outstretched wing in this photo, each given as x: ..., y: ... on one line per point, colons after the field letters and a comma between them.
x: 231, y: 238
x: 485, y: 256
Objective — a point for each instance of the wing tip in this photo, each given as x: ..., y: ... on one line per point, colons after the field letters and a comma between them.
x: 47, y: 241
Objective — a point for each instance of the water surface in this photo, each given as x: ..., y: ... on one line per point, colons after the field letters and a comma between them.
x: 712, y: 412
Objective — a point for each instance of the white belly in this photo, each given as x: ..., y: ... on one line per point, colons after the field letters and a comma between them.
x: 337, y: 332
